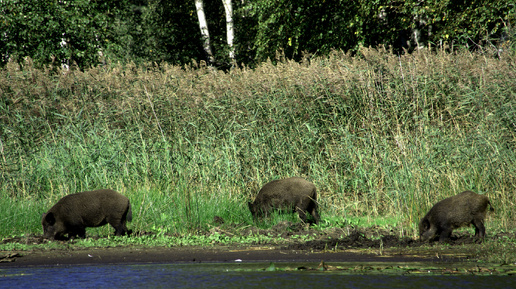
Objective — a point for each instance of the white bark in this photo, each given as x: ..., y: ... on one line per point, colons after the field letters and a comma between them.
x: 230, y: 35
x: 205, y: 34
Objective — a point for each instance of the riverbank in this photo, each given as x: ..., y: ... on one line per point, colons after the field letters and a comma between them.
x: 290, y: 243
x: 219, y: 254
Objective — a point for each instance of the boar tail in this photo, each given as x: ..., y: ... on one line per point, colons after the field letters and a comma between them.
x: 490, y: 206
x: 129, y: 213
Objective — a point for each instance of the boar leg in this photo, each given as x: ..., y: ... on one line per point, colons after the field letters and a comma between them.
x: 77, y: 231
x: 119, y: 226
x: 315, y: 214
x: 302, y: 214
x: 313, y: 211
x: 121, y: 230
x: 444, y: 236
x: 480, y: 230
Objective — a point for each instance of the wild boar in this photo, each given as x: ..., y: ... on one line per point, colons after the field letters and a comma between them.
x: 454, y: 212
x: 73, y: 213
x: 289, y: 195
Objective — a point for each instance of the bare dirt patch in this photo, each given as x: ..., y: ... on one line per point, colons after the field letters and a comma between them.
x: 346, y: 238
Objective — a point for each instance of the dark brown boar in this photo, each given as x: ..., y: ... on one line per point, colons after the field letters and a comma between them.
x: 73, y: 213
x: 454, y: 212
x: 290, y: 195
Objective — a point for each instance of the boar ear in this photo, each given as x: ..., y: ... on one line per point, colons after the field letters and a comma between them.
x: 50, y: 218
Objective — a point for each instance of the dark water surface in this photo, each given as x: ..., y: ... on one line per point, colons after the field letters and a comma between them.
x: 215, y: 275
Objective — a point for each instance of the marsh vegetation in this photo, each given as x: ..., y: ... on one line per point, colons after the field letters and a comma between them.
x: 380, y: 135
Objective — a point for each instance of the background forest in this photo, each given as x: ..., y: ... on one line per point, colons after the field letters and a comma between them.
x: 89, y: 32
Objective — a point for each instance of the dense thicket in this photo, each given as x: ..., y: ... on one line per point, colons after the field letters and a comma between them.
x: 89, y: 32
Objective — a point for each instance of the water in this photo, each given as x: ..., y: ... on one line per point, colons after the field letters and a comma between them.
x: 209, y: 275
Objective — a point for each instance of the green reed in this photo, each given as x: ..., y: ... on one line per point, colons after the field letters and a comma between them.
x: 380, y: 135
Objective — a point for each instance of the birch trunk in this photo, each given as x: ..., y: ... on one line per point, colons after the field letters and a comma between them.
x: 230, y: 35
x: 205, y: 34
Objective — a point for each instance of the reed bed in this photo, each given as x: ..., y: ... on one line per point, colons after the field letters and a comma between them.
x: 380, y: 135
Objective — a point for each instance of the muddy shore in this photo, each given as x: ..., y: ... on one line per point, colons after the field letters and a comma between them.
x: 128, y: 255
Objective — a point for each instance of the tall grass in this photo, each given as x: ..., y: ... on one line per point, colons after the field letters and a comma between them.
x: 379, y: 135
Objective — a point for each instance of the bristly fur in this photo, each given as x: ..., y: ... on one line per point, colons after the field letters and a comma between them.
x: 73, y: 213
x: 454, y: 212
x: 289, y: 195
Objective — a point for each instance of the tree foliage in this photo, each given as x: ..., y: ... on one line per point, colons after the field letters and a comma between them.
x: 46, y: 30
x: 160, y: 30
x: 306, y: 25
x: 89, y: 32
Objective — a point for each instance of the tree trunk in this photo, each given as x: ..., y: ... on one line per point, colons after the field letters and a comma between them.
x: 230, y: 35
x: 205, y: 34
